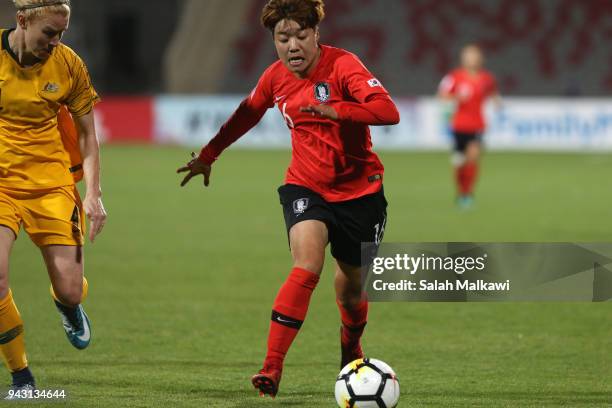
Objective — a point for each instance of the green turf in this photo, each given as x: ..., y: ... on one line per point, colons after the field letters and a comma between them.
x: 182, y: 280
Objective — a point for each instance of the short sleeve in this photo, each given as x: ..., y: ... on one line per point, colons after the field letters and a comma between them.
x: 356, y: 80
x: 82, y: 95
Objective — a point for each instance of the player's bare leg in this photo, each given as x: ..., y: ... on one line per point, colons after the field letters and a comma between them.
x: 7, y: 238
x: 308, y: 240
x: 65, y: 268
x: 353, y: 306
x: 11, y: 326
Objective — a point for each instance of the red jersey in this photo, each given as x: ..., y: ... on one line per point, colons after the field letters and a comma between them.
x: 332, y: 158
x: 471, y: 91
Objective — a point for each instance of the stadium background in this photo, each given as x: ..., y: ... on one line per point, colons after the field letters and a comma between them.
x: 182, y: 279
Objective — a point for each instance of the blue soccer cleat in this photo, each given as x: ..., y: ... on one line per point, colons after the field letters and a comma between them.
x: 76, y: 325
x: 465, y: 202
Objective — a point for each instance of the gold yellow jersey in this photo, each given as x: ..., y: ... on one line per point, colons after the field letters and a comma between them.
x: 70, y: 139
x: 32, y: 153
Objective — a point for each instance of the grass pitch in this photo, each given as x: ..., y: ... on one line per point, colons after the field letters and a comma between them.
x: 182, y: 281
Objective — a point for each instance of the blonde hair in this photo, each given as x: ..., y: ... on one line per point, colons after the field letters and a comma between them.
x: 36, y: 8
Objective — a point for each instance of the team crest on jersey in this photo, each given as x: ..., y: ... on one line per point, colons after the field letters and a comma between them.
x: 51, y: 87
x: 322, y: 92
x: 300, y: 205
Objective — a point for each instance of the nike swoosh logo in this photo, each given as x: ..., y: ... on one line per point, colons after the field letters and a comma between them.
x: 280, y: 319
x: 86, y: 333
x: 278, y: 98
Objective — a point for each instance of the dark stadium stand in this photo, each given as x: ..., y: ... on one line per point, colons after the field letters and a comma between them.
x: 554, y: 47
x: 535, y: 47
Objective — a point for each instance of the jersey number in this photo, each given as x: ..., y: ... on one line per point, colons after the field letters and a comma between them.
x: 379, y: 231
x: 286, y: 116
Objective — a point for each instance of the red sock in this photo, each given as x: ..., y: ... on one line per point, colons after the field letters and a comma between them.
x: 465, y: 176
x: 353, y: 322
x: 288, y: 314
x: 459, y: 177
x: 470, y: 172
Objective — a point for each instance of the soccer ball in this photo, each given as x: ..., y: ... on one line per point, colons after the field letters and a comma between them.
x: 367, y: 383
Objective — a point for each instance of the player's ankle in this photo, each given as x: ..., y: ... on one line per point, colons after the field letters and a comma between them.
x: 23, y: 376
x: 273, y: 363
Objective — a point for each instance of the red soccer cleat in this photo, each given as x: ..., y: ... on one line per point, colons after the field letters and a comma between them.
x: 267, y: 381
x: 349, y: 353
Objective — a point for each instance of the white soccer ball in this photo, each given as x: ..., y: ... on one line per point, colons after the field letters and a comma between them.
x: 367, y: 383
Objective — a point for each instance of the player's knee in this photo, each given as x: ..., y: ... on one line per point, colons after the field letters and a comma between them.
x: 349, y: 300
x: 4, y: 288
x: 4, y: 281
x: 311, y: 265
x: 312, y: 260
x: 472, y: 154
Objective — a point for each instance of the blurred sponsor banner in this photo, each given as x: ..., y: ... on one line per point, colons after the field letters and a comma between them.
x: 125, y: 119
x: 519, y: 124
x: 551, y: 124
x: 194, y: 120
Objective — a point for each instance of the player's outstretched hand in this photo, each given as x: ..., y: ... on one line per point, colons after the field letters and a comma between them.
x: 323, y: 111
x: 195, y: 167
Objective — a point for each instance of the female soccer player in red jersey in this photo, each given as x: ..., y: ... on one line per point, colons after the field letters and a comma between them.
x: 469, y: 86
x: 333, y: 189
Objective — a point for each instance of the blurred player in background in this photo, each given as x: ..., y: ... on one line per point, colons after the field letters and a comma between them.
x: 469, y: 87
x: 333, y: 192
x: 38, y: 75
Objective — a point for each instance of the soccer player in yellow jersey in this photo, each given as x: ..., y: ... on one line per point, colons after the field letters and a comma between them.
x: 39, y: 75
